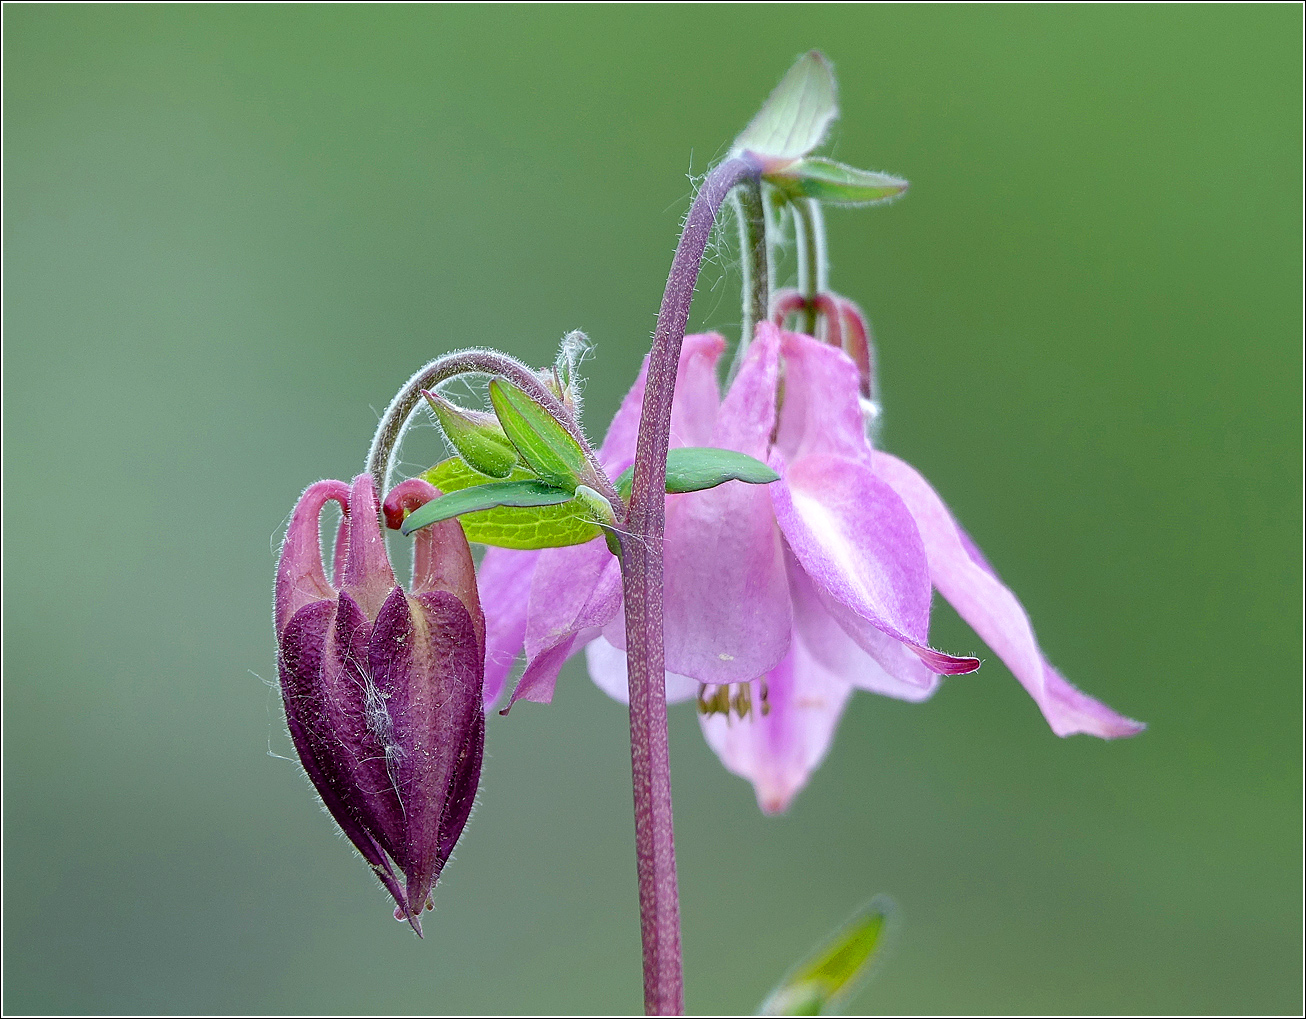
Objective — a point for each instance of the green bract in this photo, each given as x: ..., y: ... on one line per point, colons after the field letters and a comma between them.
x: 834, y: 183
x: 496, y: 495
x: 795, y: 117
x: 829, y: 976
x: 694, y: 468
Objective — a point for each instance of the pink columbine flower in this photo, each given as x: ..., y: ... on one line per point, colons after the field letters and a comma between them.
x: 779, y: 599
x: 382, y: 686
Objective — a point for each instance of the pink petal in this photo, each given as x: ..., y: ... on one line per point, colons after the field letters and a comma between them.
x: 342, y: 546
x: 607, y: 667
x: 574, y: 589
x: 726, y: 609
x: 367, y: 578
x: 504, y: 580
x: 778, y: 751
x: 692, y: 412
x: 442, y: 559
x: 300, y: 577
x: 299, y: 665
x: 890, y: 668
x: 698, y: 395
x: 855, y: 539
x: 855, y: 337
x: 994, y: 612
x: 351, y: 716
x: 423, y: 704
x: 821, y: 411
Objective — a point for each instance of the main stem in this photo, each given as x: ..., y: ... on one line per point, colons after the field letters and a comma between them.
x: 641, y: 546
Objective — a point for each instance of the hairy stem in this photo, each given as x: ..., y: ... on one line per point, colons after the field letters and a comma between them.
x: 395, y: 420
x: 641, y: 544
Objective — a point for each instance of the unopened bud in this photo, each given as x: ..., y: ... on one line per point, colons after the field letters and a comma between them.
x: 477, y: 436
x: 382, y: 686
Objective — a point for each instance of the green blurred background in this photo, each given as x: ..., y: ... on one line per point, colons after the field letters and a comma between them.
x: 230, y: 233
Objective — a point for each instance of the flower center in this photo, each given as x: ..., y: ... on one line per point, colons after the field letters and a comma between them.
x: 732, y: 699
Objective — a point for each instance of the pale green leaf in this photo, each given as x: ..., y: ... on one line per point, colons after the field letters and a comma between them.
x: 567, y: 523
x: 495, y: 495
x: 827, y: 978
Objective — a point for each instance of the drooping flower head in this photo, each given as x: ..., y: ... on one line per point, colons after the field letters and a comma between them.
x: 779, y: 600
x: 382, y: 686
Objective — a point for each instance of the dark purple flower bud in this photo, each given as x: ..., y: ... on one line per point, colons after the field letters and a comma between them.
x: 382, y: 686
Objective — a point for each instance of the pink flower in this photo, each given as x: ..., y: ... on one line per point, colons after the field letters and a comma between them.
x: 779, y: 599
x: 382, y: 686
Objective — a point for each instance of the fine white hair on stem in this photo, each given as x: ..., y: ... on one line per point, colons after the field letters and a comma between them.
x: 575, y: 349
x: 471, y: 361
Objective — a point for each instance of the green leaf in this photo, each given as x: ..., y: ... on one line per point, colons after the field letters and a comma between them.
x: 546, y: 446
x: 835, y: 184
x: 795, y: 117
x: 828, y: 977
x: 477, y: 437
x: 517, y: 494
x: 552, y: 526
x: 694, y: 468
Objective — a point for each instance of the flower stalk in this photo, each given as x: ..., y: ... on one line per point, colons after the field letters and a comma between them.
x: 641, y: 544
x: 813, y: 268
x: 394, y: 422
x: 755, y: 260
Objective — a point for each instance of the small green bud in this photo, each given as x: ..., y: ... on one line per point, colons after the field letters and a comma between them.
x: 566, y: 380
x: 476, y: 436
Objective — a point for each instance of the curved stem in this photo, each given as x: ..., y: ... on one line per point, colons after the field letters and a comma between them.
x: 813, y: 270
x: 755, y: 260
x: 641, y: 544
x: 395, y: 420
x: 773, y: 222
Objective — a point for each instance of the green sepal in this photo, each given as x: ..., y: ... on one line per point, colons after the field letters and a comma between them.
x: 544, y: 444
x: 476, y: 436
x: 797, y: 114
x: 570, y: 522
x: 695, y: 468
x: 828, y: 977
x: 834, y: 183
x: 495, y: 495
